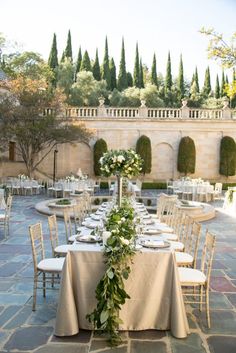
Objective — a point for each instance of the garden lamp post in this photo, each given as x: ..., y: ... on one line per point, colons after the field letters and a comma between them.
x: 54, y: 165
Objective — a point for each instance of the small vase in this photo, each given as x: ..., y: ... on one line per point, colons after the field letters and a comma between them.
x: 119, y: 189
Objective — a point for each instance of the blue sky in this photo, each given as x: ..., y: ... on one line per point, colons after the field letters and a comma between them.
x: 157, y: 25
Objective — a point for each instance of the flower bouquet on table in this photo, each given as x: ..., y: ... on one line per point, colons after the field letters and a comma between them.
x: 125, y: 163
x: 22, y: 177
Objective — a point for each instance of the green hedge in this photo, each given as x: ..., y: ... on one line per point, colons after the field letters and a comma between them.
x: 153, y: 185
x: 100, y: 147
x: 186, y: 156
x: 227, y: 156
x: 104, y: 185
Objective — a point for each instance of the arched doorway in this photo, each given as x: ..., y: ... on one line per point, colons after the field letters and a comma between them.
x: 163, y: 161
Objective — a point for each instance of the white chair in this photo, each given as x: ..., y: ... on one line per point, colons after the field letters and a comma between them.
x: 218, y: 191
x: 57, y: 250
x: 5, y: 217
x: 192, y: 279
x: 48, y: 268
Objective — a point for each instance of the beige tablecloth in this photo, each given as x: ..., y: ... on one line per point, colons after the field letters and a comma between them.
x: 153, y: 285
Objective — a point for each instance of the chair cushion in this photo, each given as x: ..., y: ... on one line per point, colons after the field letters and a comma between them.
x: 51, y: 265
x: 62, y: 249
x: 169, y: 236
x: 183, y: 258
x: 177, y: 245
x: 190, y: 276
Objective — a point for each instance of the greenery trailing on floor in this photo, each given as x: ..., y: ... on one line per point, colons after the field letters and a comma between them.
x: 118, y: 253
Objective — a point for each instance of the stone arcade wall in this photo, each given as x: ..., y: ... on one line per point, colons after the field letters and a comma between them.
x: 121, y: 127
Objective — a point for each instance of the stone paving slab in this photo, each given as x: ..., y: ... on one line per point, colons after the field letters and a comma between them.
x: 23, y: 331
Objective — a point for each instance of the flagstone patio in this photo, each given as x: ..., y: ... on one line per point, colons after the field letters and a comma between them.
x: 22, y: 330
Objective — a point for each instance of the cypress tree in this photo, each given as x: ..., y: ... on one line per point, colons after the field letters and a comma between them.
x: 222, y: 89
x: 207, y: 83
x: 86, y: 64
x: 106, y: 75
x: 181, y: 78
x: 122, y: 77
x: 113, y: 74
x: 154, y: 71
x: 226, y: 80
x: 78, y: 62
x: 68, y: 51
x: 193, y: 79
x: 186, y: 156
x: 197, y: 81
x: 141, y: 82
x: 129, y: 79
x: 168, y: 80
x: 96, y: 68
x: 100, y: 147
x: 227, y: 156
x: 233, y: 99
x: 217, y: 88
x: 144, y: 149
x: 53, y: 59
x: 136, y: 68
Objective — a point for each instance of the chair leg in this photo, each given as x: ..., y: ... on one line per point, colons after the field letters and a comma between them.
x: 44, y: 285
x: 35, y: 292
x: 208, y: 309
x: 201, y: 296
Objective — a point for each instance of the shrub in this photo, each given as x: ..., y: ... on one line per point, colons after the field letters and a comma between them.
x: 63, y: 202
x: 227, y: 156
x: 150, y: 95
x: 153, y: 185
x: 144, y: 149
x: 186, y: 156
x: 99, y: 148
x: 149, y: 202
x: 96, y: 201
x: 104, y: 200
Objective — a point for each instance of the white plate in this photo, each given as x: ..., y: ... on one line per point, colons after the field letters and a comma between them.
x: 155, y: 245
x: 90, y: 225
x: 152, y: 231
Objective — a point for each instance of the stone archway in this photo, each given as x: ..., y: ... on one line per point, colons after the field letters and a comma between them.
x: 163, y: 161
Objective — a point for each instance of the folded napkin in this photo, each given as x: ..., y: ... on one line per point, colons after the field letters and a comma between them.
x: 151, y: 231
x: 95, y: 217
x: 155, y: 243
x: 90, y: 224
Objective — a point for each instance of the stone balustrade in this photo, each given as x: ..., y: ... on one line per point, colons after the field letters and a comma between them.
x: 143, y: 112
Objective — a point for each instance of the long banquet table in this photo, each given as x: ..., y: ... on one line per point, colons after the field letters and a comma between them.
x: 153, y: 285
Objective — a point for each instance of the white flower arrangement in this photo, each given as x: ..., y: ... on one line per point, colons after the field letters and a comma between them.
x: 126, y: 163
x: 22, y: 176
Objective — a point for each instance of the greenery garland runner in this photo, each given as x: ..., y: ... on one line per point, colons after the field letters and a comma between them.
x: 118, y: 253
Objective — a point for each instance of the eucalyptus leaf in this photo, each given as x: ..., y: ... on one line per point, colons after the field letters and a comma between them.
x: 104, y: 316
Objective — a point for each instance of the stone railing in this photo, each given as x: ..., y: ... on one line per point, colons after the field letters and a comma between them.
x: 143, y: 112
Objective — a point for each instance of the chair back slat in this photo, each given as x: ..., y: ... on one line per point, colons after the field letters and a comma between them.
x: 207, y: 255
x: 36, y: 237
x: 53, y: 232
x: 68, y: 226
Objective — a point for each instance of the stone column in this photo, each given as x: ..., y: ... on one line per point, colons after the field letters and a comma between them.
x: 184, y: 109
x: 102, y: 112
x: 143, y: 110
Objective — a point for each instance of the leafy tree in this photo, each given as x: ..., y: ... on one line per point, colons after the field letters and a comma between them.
x: 180, y: 81
x: 100, y: 147
x: 86, y: 91
x: 35, y: 134
x: 106, y: 75
x: 186, y: 156
x: 27, y: 64
x: 113, y: 74
x: 217, y: 88
x: 168, y: 80
x: 219, y: 49
x: 86, y: 64
x: 129, y: 79
x: 144, y: 149
x: 68, y: 50
x: 207, y: 84
x: 78, y: 62
x: 136, y: 75
x: 154, y: 71
x: 141, y: 80
x: 122, y: 77
x: 151, y: 96
x: 96, y: 68
x: 227, y: 156
x: 65, y: 76
x: 130, y: 97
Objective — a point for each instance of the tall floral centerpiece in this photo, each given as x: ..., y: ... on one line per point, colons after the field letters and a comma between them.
x: 122, y: 163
